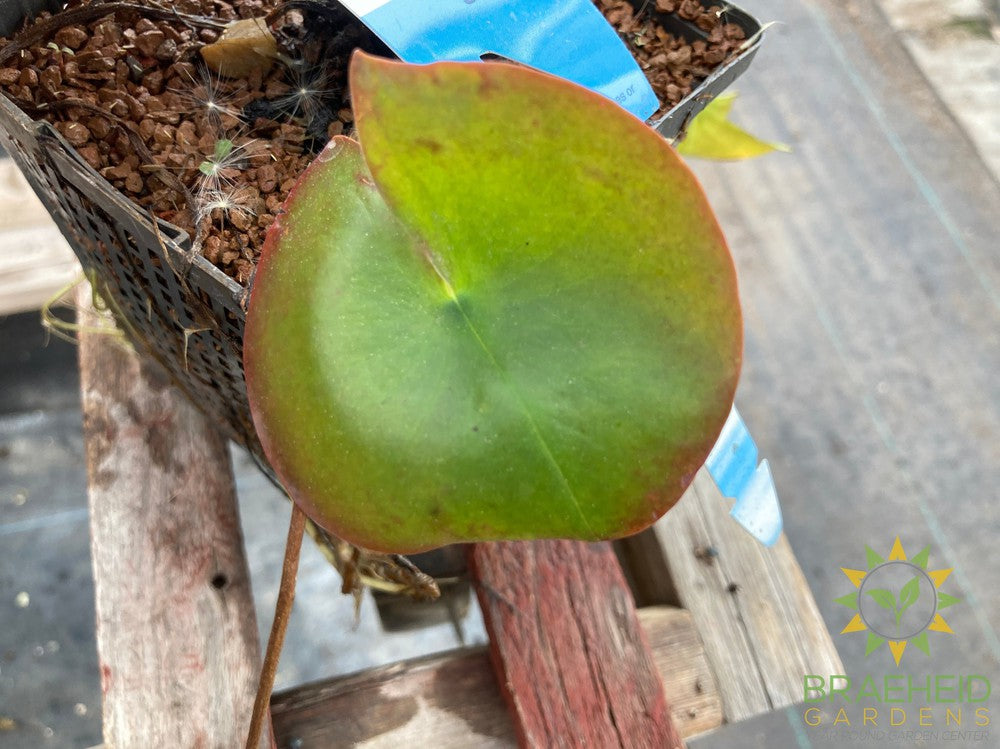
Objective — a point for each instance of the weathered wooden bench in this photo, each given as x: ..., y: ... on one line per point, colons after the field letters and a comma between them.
x: 38, y: 262
x: 724, y: 630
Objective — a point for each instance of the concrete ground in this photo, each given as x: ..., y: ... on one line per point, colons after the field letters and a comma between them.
x: 954, y: 42
x: 870, y: 275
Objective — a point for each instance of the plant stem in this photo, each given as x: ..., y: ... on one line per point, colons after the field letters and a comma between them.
x: 282, y: 612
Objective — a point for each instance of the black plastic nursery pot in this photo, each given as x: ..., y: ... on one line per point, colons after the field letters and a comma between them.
x: 173, y: 303
x: 675, y: 121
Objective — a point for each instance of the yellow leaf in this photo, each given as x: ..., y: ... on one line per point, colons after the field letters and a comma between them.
x: 711, y: 135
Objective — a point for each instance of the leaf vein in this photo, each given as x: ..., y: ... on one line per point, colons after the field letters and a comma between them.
x: 536, y: 432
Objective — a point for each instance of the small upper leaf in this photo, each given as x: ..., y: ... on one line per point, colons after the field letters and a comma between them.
x: 513, y: 317
x: 223, y: 148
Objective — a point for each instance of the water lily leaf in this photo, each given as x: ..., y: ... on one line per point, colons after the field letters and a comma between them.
x: 712, y: 135
x: 510, y: 314
x: 883, y: 598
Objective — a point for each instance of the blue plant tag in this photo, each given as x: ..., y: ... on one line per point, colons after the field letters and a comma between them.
x: 567, y: 38
x: 733, y: 465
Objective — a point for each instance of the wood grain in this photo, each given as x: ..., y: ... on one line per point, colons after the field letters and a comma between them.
x: 751, y: 605
x: 447, y: 702
x: 688, y: 682
x: 567, y: 646
x: 453, y: 701
x: 35, y: 261
x: 176, y: 632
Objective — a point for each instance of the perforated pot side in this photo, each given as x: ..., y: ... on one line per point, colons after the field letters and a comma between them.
x: 175, y: 305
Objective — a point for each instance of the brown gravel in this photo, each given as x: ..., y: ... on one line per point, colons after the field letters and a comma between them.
x: 121, y: 73
x: 674, y: 65
x: 218, y: 157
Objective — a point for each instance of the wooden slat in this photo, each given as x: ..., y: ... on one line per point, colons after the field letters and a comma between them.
x: 453, y: 701
x: 176, y: 632
x: 445, y: 702
x: 688, y: 682
x: 35, y: 261
x: 22, y: 209
x: 566, y: 643
x: 751, y: 605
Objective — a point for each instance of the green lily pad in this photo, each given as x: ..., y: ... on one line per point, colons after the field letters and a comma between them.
x: 509, y: 314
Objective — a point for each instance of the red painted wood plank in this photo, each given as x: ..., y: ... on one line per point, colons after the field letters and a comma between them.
x: 572, y: 660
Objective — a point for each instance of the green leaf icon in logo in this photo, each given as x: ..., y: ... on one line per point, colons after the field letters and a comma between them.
x: 914, y: 591
x: 908, y: 596
x: 883, y: 598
